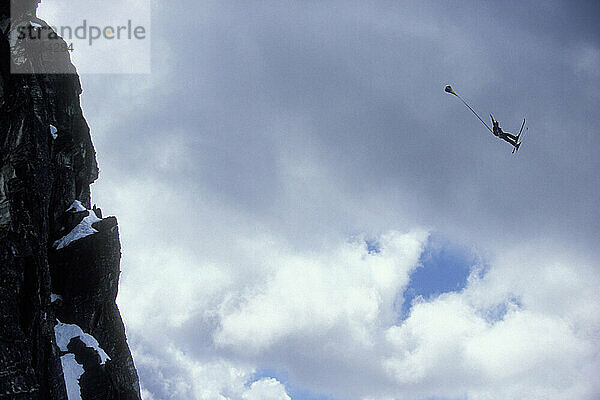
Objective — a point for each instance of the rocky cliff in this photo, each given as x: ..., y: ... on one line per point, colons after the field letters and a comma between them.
x: 61, y: 334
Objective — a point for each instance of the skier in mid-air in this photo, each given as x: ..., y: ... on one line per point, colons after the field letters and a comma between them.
x: 496, y: 130
x: 509, y: 137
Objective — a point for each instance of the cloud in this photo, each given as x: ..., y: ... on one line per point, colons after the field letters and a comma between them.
x: 286, y: 111
x: 192, y: 322
x: 330, y: 321
x: 342, y: 296
x: 266, y: 389
x: 176, y: 375
x: 543, y: 346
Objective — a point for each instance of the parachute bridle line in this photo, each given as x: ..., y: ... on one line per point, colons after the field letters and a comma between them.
x: 477, y: 115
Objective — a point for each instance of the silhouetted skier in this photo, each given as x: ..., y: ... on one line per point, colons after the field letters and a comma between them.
x: 509, y: 137
x: 496, y: 130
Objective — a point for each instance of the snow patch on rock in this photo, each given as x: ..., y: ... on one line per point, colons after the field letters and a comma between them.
x: 65, y: 332
x: 76, y: 207
x: 54, y: 297
x: 83, y: 229
x: 72, y: 371
x: 53, y: 129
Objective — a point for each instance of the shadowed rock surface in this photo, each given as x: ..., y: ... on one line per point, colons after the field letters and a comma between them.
x: 41, y: 176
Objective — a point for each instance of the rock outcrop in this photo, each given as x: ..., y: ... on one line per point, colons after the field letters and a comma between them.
x: 59, y: 259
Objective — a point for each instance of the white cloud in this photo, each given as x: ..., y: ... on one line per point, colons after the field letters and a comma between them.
x: 266, y: 389
x: 176, y: 375
x: 205, y: 308
x: 543, y: 347
x: 348, y: 289
x: 202, y: 325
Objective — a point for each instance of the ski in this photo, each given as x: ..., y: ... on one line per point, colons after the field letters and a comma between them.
x: 516, y: 148
x: 521, y: 130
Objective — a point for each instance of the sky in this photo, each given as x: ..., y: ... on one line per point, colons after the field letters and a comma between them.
x: 305, y: 214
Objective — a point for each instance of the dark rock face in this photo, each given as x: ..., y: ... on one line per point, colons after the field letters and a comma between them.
x: 41, y: 176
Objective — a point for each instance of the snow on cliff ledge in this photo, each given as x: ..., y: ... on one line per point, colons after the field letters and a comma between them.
x: 72, y: 370
x: 83, y: 229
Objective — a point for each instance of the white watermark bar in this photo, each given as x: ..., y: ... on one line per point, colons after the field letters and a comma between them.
x: 106, y: 37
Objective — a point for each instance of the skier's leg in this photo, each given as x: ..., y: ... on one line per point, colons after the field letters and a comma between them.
x: 510, y: 135
x: 509, y: 139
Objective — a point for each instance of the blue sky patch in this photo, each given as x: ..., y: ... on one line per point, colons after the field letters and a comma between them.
x: 444, y: 268
x: 497, y: 313
x: 373, y: 246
